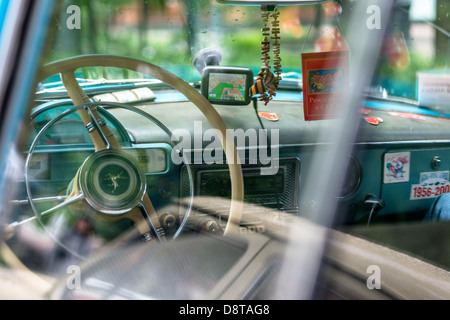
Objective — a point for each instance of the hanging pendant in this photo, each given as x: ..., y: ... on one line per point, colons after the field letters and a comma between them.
x: 266, y: 84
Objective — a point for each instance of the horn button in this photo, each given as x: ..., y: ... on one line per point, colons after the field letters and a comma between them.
x: 112, y: 182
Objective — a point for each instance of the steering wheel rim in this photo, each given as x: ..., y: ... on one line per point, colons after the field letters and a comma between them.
x: 67, y: 68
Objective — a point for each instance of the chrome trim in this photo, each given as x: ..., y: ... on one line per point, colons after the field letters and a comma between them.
x: 38, y: 200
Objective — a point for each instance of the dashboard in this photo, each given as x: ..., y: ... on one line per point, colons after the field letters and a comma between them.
x: 52, y: 164
x: 395, y: 171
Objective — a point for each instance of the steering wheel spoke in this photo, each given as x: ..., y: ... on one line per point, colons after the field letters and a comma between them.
x: 100, y: 134
x: 99, y: 124
x: 67, y: 202
x: 147, y: 221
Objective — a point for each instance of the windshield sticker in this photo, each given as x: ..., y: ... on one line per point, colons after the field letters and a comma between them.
x: 432, y: 185
x: 434, y: 89
x: 325, y: 83
x: 396, y: 167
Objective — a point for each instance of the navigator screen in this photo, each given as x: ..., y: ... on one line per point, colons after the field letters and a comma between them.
x: 227, y: 85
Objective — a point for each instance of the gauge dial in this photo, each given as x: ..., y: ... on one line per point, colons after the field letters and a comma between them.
x: 353, y: 178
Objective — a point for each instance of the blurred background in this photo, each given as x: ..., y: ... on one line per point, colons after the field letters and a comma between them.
x: 170, y: 32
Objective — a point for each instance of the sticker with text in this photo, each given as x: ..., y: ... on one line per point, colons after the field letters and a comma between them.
x: 396, y: 167
x: 432, y: 185
x: 325, y: 83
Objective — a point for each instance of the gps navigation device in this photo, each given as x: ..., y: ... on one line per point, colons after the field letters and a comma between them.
x: 227, y: 85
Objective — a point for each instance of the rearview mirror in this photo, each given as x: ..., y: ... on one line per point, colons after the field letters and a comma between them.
x: 271, y: 2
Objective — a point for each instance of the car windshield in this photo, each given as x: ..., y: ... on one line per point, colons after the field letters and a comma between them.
x: 181, y: 149
x: 181, y: 35
x: 173, y: 33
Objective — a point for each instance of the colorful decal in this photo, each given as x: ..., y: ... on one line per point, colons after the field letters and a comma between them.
x: 396, y: 167
x: 374, y: 120
x: 432, y: 185
x: 269, y: 116
x: 325, y: 83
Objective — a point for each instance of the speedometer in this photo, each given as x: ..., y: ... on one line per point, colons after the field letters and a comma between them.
x: 352, y: 179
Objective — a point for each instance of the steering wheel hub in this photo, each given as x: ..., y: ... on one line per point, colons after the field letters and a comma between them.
x: 112, y: 182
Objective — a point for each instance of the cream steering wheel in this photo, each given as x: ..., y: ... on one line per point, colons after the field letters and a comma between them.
x: 106, y: 145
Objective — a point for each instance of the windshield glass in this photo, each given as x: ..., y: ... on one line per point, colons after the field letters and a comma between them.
x: 181, y: 34
x: 116, y: 149
x: 417, y: 44
x: 173, y: 33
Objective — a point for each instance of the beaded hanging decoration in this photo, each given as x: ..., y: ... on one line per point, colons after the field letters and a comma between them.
x: 266, y: 83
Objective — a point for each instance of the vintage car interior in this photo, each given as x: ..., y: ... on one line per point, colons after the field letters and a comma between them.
x: 227, y: 150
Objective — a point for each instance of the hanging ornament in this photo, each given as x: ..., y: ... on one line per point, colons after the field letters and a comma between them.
x: 266, y: 83
x: 265, y: 44
x: 276, y: 45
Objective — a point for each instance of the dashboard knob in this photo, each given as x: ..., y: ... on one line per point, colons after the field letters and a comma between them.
x: 168, y: 220
x: 436, y: 163
x: 210, y: 226
x: 204, y: 224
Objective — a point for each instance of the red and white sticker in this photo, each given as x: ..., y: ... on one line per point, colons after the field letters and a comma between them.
x: 269, y: 116
x: 374, y: 120
x: 432, y: 185
x: 420, y: 192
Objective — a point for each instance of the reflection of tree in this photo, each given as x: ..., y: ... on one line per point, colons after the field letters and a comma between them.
x: 147, y: 5
x: 443, y: 21
x: 93, y: 25
x: 97, y: 19
x: 144, y: 22
x: 193, y: 24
